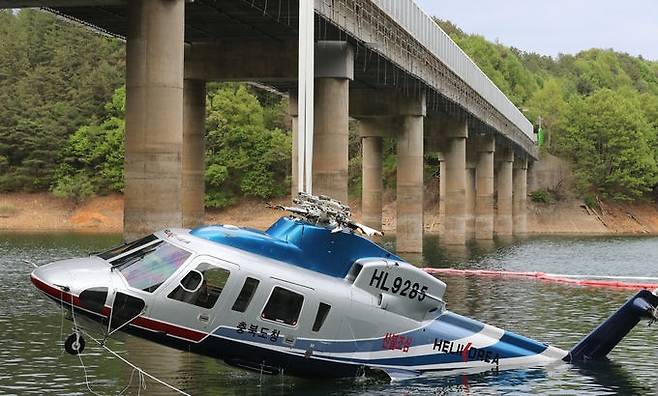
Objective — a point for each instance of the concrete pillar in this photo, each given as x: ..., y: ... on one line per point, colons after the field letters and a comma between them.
x: 154, y: 116
x: 334, y: 68
x: 455, y: 154
x: 194, y: 131
x: 372, y: 183
x: 503, y: 226
x: 469, y: 195
x: 294, y: 113
x: 484, y: 181
x: 409, y: 200
x: 520, y: 194
x: 442, y: 194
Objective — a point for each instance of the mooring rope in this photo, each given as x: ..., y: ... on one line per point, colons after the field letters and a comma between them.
x: 141, y: 373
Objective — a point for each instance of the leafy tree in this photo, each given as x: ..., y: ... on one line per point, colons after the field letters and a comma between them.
x: 54, y: 78
x: 608, y: 138
x: 244, y: 157
x: 93, y: 159
x: 549, y: 104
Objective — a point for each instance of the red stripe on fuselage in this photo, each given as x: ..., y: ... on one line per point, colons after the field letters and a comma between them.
x: 141, y: 321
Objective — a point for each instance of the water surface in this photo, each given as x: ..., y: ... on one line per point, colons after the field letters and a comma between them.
x: 32, y: 361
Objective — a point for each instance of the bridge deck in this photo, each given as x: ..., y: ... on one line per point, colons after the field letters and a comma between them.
x: 396, y: 45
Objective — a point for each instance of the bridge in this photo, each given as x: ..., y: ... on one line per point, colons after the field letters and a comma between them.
x: 382, y: 62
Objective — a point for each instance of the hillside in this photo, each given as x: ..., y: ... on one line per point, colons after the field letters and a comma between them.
x: 62, y: 110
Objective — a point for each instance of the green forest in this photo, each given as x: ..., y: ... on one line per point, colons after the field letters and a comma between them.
x: 62, y: 110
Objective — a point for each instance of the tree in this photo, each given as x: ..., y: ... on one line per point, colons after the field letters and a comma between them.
x: 92, y: 161
x: 548, y: 103
x: 244, y: 157
x: 54, y: 78
x: 608, y: 138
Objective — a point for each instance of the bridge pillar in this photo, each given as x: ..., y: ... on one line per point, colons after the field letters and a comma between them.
x: 154, y: 116
x: 334, y: 68
x: 409, y: 199
x: 484, y: 201
x: 294, y: 113
x: 470, y: 194
x: 455, y: 154
x: 503, y: 226
x: 194, y: 131
x: 520, y: 194
x: 372, y: 174
x: 442, y: 194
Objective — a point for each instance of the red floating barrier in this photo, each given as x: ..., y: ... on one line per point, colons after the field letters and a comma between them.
x: 556, y: 278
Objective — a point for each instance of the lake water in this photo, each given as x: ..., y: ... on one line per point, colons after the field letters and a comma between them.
x: 32, y: 361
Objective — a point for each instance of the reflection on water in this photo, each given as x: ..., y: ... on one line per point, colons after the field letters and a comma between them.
x: 32, y: 361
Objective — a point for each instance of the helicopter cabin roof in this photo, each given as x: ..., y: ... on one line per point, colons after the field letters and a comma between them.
x: 298, y: 243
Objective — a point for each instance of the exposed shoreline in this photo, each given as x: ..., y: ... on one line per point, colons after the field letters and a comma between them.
x: 42, y: 212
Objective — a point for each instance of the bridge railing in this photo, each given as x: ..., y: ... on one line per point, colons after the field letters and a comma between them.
x: 422, y: 27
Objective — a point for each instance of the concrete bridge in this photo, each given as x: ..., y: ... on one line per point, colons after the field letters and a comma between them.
x: 382, y: 62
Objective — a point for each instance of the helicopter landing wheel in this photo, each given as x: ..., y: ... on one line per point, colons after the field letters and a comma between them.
x: 74, y: 344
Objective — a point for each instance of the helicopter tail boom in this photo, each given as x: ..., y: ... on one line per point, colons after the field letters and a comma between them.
x: 644, y: 305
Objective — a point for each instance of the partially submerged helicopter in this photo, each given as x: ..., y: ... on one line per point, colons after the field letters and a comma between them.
x: 307, y: 297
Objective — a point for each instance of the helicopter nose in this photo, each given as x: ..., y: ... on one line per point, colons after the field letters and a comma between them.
x: 62, y: 278
x: 53, y: 275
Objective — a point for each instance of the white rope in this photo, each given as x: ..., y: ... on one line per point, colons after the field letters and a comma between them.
x: 141, y: 373
x: 77, y: 332
x: 31, y: 263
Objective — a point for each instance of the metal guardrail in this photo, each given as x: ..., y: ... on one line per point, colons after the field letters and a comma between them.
x: 422, y: 27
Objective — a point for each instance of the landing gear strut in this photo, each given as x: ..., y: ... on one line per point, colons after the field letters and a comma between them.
x: 75, y: 344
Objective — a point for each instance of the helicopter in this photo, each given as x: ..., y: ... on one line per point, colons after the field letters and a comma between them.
x: 308, y: 297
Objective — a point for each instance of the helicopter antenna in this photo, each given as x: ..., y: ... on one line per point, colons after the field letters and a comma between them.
x: 325, y: 212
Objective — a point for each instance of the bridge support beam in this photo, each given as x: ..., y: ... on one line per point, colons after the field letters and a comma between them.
x: 455, y: 154
x: 470, y: 194
x: 442, y: 194
x: 504, y: 221
x: 334, y: 68
x: 154, y: 116
x: 409, y: 199
x: 372, y: 176
x: 520, y: 193
x: 484, y: 179
x: 194, y: 131
x: 391, y: 113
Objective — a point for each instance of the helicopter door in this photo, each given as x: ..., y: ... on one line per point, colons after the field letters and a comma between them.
x: 191, y: 298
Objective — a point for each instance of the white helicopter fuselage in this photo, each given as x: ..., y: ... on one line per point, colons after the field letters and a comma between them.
x: 299, y: 298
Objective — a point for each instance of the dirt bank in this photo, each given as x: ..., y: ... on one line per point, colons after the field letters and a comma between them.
x: 24, y: 212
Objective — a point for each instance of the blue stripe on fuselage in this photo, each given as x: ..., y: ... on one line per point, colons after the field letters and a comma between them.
x: 449, y: 326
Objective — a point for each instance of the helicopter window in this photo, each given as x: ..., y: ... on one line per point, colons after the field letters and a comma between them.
x: 323, y: 311
x: 117, y: 250
x: 149, y: 267
x: 204, y: 286
x: 246, y: 294
x: 284, y: 306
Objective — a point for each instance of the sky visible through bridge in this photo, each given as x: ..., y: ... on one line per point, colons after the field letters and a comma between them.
x: 560, y: 26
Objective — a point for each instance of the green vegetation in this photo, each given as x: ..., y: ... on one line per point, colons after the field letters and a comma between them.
x: 62, y: 111
x: 54, y: 78
x: 599, y: 109
x: 247, y: 151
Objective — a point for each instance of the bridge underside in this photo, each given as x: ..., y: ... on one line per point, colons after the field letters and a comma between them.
x: 394, y: 88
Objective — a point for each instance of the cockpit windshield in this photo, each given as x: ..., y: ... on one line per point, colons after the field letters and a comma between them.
x: 126, y: 247
x: 148, y: 267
